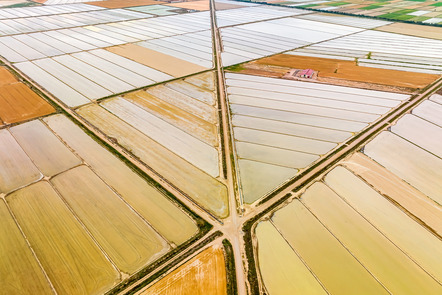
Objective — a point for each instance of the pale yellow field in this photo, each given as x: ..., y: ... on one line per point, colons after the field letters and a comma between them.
x: 396, y: 271
x: 16, y: 169
x: 187, y: 122
x: 205, y: 274
x: 19, y: 270
x: 204, y: 189
x: 124, y: 236
x: 166, y: 217
x: 204, y: 80
x: 200, y: 94
x: 282, y: 271
x: 398, y: 190
x: 47, y: 152
x: 408, y: 235
x: 73, y: 262
x: 413, y: 30
x: 184, y: 102
x: 422, y: 169
x: 335, y: 267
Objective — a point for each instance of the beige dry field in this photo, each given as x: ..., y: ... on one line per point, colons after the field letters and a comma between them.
x: 201, y: 5
x: 205, y: 274
x: 278, y: 261
x: 47, y: 152
x: 173, y: 128
x: 72, y: 260
x: 204, y: 189
x: 152, y: 205
x: 413, y: 30
x: 170, y: 113
x: 157, y: 60
x: 125, y: 237
x: 17, y: 169
x: 204, y: 80
x: 398, y: 191
x: 333, y: 265
x: 391, y: 266
x: 19, y: 271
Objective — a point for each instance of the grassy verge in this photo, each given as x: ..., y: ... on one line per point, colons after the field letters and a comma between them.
x: 232, y: 286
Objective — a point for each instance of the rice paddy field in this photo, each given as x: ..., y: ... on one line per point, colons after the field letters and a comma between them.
x: 281, y: 127
x: 74, y: 243
x: 416, y: 11
x: 375, y: 211
x: 137, y: 135
x: 177, y: 120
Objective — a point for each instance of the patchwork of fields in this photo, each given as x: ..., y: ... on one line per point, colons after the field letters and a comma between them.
x: 52, y: 170
x: 373, y: 218
x: 416, y: 11
x: 220, y: 147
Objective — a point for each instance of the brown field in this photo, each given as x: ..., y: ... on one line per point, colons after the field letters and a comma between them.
x: 157, y: 60
x: 204, y: 274
x: 6, y: 77
x: 348, y: 70
x: 397, y: 190
x: 123, y: 3
x: 18, y: 102
x: 413, y: 30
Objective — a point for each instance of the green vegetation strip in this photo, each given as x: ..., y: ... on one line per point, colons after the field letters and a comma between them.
x: 372, y: 6
x: 232, y: 286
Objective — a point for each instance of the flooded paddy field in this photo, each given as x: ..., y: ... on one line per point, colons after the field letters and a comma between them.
x: 18, y: 101
x: 375, y: 213
x: 256, y: 40
x: 70, y: 195
x: 423, y: 177
x: 282, y: 126
x: 205, y: 273
x: 384, y: 50
x: 108, y: 52
x: 138, y: 121
x: 343, y: 228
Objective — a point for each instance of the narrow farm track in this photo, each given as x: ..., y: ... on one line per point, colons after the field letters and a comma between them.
x: 232, y: 226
